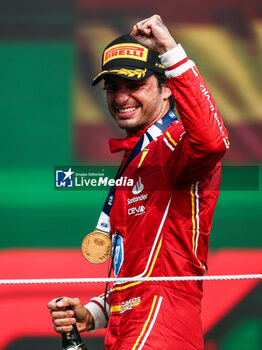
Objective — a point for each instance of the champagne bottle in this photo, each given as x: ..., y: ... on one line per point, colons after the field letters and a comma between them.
x: 71, y: 340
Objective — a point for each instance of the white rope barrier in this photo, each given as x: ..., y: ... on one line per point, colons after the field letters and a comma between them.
x: 131, y: 279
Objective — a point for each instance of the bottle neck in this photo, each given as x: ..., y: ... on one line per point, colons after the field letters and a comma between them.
x: 72, y: 340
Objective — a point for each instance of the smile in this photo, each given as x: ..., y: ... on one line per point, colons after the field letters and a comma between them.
x: 126, y: 110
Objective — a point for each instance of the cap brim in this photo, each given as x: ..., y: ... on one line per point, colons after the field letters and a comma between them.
x: 127, y: 73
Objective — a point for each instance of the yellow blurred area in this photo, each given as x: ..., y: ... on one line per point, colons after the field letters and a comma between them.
x: 94, y: 38
x: 225, y: 60
x: 233, y: 87
x: 86, y: 110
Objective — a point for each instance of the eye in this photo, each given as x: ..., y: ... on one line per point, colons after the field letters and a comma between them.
x: 110, y: 88
x: 134, y: 86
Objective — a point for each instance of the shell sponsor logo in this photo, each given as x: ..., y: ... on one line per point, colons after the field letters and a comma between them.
x: 133, y: 51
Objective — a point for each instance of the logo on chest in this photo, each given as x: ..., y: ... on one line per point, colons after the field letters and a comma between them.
x: 138, y: 188
x: 141, y: 209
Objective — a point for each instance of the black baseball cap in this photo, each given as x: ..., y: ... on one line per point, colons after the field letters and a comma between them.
x: 126, y: 58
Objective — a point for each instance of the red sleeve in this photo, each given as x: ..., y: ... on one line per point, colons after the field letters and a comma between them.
x: 205, y: 139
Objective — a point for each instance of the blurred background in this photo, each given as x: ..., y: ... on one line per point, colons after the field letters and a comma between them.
x: 50, y: 117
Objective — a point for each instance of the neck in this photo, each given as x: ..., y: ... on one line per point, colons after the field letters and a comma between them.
x: 142, y: 129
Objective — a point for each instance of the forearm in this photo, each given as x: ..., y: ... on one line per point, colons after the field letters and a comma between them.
x: 194, y: 102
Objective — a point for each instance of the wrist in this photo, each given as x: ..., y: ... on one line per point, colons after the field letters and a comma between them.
x: 90, y: 323
x: 96, y: 310
x: 176, y: 62
x: 173, y: 56
x: 167, y: 46
x: 86, y: 323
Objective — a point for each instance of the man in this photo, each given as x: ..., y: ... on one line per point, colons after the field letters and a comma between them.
x: 161, y: 225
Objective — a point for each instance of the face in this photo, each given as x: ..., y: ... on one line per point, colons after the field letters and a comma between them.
x: 136, y: 104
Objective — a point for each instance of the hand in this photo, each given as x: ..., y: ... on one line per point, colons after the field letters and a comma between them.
x: 64, y: 319
x: 153, y: 33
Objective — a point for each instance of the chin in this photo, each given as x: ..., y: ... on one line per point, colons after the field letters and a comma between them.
x: 126, y: 125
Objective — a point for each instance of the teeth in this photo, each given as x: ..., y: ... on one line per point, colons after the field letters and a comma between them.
x: 126, y: 110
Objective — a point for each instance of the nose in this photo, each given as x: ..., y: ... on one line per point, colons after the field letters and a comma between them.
x: 122, y: 95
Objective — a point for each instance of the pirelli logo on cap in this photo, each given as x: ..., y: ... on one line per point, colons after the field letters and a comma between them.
x: 133, y: 51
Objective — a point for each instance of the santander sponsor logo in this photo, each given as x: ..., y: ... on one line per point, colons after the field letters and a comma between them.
x: 137, y: 199
x: 138, y: 187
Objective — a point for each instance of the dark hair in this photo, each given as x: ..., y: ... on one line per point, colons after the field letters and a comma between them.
x: 162, y: 80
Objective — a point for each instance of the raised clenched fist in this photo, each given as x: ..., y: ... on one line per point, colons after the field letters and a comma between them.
x: 153, y: 33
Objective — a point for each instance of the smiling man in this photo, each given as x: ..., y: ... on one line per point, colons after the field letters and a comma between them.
x: 161, y: 225
x: 136, y: 95
x: 134, y: 105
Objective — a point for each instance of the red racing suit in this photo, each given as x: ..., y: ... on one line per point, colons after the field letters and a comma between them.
x: 164, y: 222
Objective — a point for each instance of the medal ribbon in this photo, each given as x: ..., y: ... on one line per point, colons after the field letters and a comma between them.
x: 151, y: 134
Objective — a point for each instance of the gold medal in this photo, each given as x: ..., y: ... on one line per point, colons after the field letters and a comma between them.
x: 96, y: 247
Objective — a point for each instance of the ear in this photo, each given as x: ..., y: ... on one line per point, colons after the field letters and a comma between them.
x: 166, y: 91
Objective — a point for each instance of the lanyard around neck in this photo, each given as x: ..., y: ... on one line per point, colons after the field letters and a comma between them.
x: 153, y: 132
